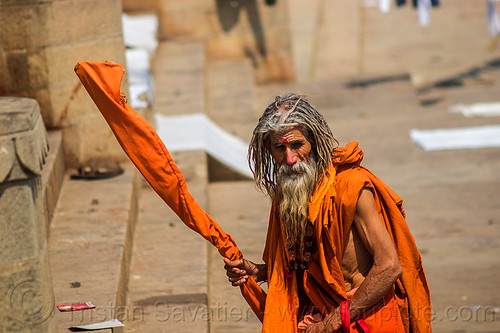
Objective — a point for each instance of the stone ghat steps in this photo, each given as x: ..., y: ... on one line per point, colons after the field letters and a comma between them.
x: 90, y: 246
x: 170, y: 288
x: 168, y: 285
x: 242, y: 212
x: 113, y: 242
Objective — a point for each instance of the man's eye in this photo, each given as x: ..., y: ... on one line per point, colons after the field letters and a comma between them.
x: 296, y: 145
x: 279, y: 147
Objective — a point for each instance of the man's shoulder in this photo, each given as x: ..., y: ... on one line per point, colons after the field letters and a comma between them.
x: 352, y: 175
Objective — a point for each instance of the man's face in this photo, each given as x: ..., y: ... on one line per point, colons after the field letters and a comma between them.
x: 289, y: 147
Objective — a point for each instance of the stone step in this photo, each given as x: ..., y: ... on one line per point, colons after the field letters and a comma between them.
x: 168, y: 282
x: 90, y: 246
x: 178, y: 71
x: 230, y: 98
x: 168, y: 286
x: 243, y: 212
x: 233, y: 201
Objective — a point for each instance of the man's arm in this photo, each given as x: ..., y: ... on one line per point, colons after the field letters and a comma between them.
x: 384, y: 271
x: 239, y: 270
x: 386, y: 268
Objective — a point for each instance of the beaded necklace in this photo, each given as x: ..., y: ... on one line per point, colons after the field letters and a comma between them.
x: 302, y: 262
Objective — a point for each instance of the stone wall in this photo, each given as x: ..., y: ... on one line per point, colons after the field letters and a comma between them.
x: 26, y: 296
x: 232, y: 29
x: 253, y: 29
x: 40, y: 42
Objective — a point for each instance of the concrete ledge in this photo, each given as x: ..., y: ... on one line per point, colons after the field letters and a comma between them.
x: 90, y: 246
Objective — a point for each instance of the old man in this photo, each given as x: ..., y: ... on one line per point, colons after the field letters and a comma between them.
x: 338, y: 254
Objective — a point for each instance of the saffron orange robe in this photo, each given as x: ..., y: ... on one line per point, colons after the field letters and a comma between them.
x: 332, y: 215
x: 331, y: 210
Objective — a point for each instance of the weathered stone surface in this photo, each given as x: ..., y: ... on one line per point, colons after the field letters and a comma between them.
x: 339, y: 40
x: 72, y: 21
x: 41, y: 43
x: 69, y: 100
x: 27, y: 300
x: 184, y: 18
x: 235, y: 29
x: 230, y: 104
x: 22, y: 25
x: 91, y: 242
x: 240, y: 210
x: 19, y: 240
x: 179, y: 80
x: 23, y: 139
x: 52, y: 176
x: 89, y: 139
x: 58, y: 22
x: 25, y: 284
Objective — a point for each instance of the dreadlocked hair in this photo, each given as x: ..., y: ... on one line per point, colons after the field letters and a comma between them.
x: 299, y: 113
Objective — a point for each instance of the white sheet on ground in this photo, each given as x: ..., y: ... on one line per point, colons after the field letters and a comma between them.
x: 477, y: 109
x: 198, y: 132
x: 457, y: 138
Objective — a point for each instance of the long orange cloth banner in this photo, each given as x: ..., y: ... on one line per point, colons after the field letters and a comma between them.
x: 141, y: 143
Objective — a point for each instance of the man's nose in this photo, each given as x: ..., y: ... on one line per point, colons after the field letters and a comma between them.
x: 291, y: 156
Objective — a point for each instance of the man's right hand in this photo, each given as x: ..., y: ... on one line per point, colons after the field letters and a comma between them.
x: 239, y: 270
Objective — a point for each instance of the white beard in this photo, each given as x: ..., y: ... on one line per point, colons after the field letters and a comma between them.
x: 295, y: 185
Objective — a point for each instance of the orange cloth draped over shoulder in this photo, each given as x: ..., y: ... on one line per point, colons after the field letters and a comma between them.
x: 143, y: 146
x: 331, y: 210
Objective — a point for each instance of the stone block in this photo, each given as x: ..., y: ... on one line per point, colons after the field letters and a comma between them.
x: 90, y: 139
x: 72, y: 145
x: 184, y: 18
x: 339, y: 45
x: 61, y: 59
x: 26, y: 292
x: 42, y: 42
x: 19, y: 239
x: 233, y: 30
x: 224, y: 97
x: 99, y: 141
x: 17, y: 115
x: 23, y: 26
x: 23, y: 138
x: 23, y: 147
x: 259, y: 32
x: 25, y: 283
x: 68, y: 99
x: 22, y: 72
x: 179, y: 77
x: 72, y: 21
x: 40, y: 24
